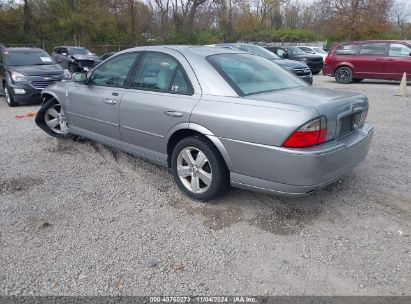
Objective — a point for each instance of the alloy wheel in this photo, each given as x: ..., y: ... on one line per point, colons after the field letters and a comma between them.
x: 55, y: 119
x: 194, y: 170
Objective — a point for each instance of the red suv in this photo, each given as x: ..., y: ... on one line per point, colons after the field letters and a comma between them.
x: 354, y: 61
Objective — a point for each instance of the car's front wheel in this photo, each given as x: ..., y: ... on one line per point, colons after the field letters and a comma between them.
x: 51, y: 118
x: 198, y: 168
x: 9, y: 97
x: 343, y: 75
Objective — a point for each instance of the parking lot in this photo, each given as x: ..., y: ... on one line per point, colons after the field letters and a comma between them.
x: 79, y: 218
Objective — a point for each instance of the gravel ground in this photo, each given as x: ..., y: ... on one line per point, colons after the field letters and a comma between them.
x: 81, y: 219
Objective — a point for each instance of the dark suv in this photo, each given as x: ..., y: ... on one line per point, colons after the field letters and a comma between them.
x: 315, y: 62
x: 25, y: 72
x: 376, y: 59
x: 75, y: 58
x: 298, y: 68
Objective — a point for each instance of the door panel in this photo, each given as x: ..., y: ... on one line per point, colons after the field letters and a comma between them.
x: 160, y: 96
x: 95, y: 109
x: 398, y: 62
x: 94, y: 106
x: 371, y: 60
x: 143, y: 118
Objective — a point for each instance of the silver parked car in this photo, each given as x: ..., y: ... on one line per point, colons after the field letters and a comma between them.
x: 215, y: 117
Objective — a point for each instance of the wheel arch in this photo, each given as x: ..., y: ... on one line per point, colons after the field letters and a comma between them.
x: 189, y: 129
x: 345, y: 65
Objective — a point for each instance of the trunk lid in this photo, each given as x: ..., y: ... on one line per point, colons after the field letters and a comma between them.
x: 342, y: 109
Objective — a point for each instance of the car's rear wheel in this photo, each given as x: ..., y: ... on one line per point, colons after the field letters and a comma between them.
x: 357, y: 79
x: 51, y: 118
x: 343, y: 75
x: 9, y: 97
x: 198, y: 168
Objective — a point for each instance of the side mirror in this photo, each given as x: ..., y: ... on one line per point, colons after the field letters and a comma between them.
x: 80, y: 77
x: 64, y: 54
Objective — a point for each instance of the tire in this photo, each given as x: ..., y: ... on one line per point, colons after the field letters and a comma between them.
x: 51, y: 119
x: 357, y: 80
x: 9, y: 97
x: 343, y: 75
x: 210, y: 173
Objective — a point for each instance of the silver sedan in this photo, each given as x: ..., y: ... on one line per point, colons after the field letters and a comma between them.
x: 216, y: 117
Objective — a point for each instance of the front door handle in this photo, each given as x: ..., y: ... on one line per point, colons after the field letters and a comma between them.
x: 380, y: 59
x: 173, y: 113
x: 109, y: 101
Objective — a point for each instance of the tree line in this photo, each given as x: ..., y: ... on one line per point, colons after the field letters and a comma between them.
x: 141, y: 22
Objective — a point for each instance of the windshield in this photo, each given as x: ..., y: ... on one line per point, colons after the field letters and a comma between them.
x: 258, y: 50
x: 82, y: 51
x: 249, y: 74
x: 295, y: 51
x: 27, y: 57
x: 319, y: 51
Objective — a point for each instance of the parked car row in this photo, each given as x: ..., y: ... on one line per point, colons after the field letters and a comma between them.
x: 354, y: 61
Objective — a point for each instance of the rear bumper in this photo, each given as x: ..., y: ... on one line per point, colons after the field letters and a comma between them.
x: 328, y: 71
x: 315, y: 66
x: 296, y: 172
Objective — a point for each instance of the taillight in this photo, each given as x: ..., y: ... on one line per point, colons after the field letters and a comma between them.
x: 327, y: 60
x: 310, y: 134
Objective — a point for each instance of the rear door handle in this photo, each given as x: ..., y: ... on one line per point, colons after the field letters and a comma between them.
x: 380, y: 59
x: 173, y: 113
x: 109, y: 101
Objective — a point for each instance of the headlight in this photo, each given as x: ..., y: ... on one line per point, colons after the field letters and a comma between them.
x: 66, y: 75
x: 18, y: 76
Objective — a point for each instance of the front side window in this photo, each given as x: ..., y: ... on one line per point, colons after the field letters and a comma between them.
x: 295, y: 51
x: 319, y: 51
x: 373, y: 49
x: 346, y: 49
x: 161, y: 72
x: 249, y: 74
x: 399, y: 50
x: 113, y: 73
x: 29, y: 57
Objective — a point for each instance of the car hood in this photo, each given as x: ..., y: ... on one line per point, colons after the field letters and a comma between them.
x: 84, y: 57
x: 31, y: 70
x: 291, y: 63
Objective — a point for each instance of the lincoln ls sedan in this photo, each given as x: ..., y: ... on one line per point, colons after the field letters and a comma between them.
x: 216, y: 117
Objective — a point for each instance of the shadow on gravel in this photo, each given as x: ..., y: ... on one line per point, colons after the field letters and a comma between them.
x: 18, y: 184
x: 276, y: 215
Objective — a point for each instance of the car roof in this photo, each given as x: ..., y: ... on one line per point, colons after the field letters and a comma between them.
x: 22, y: 49
x: 375, y: 41
x: 70, y: 47
x: 192, y: 50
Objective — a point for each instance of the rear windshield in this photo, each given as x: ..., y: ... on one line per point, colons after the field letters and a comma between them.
x: 29, y: 57
x: 258, y: 50
x: 249, y: 74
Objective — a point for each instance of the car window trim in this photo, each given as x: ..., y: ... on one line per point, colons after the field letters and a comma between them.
x: 179, y: 67
x: 124, y: 86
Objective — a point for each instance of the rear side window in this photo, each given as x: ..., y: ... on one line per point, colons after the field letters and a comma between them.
x: 162, y: 73
x: 399, y: 50
x: 346, y: 49
x: 373, y: 49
